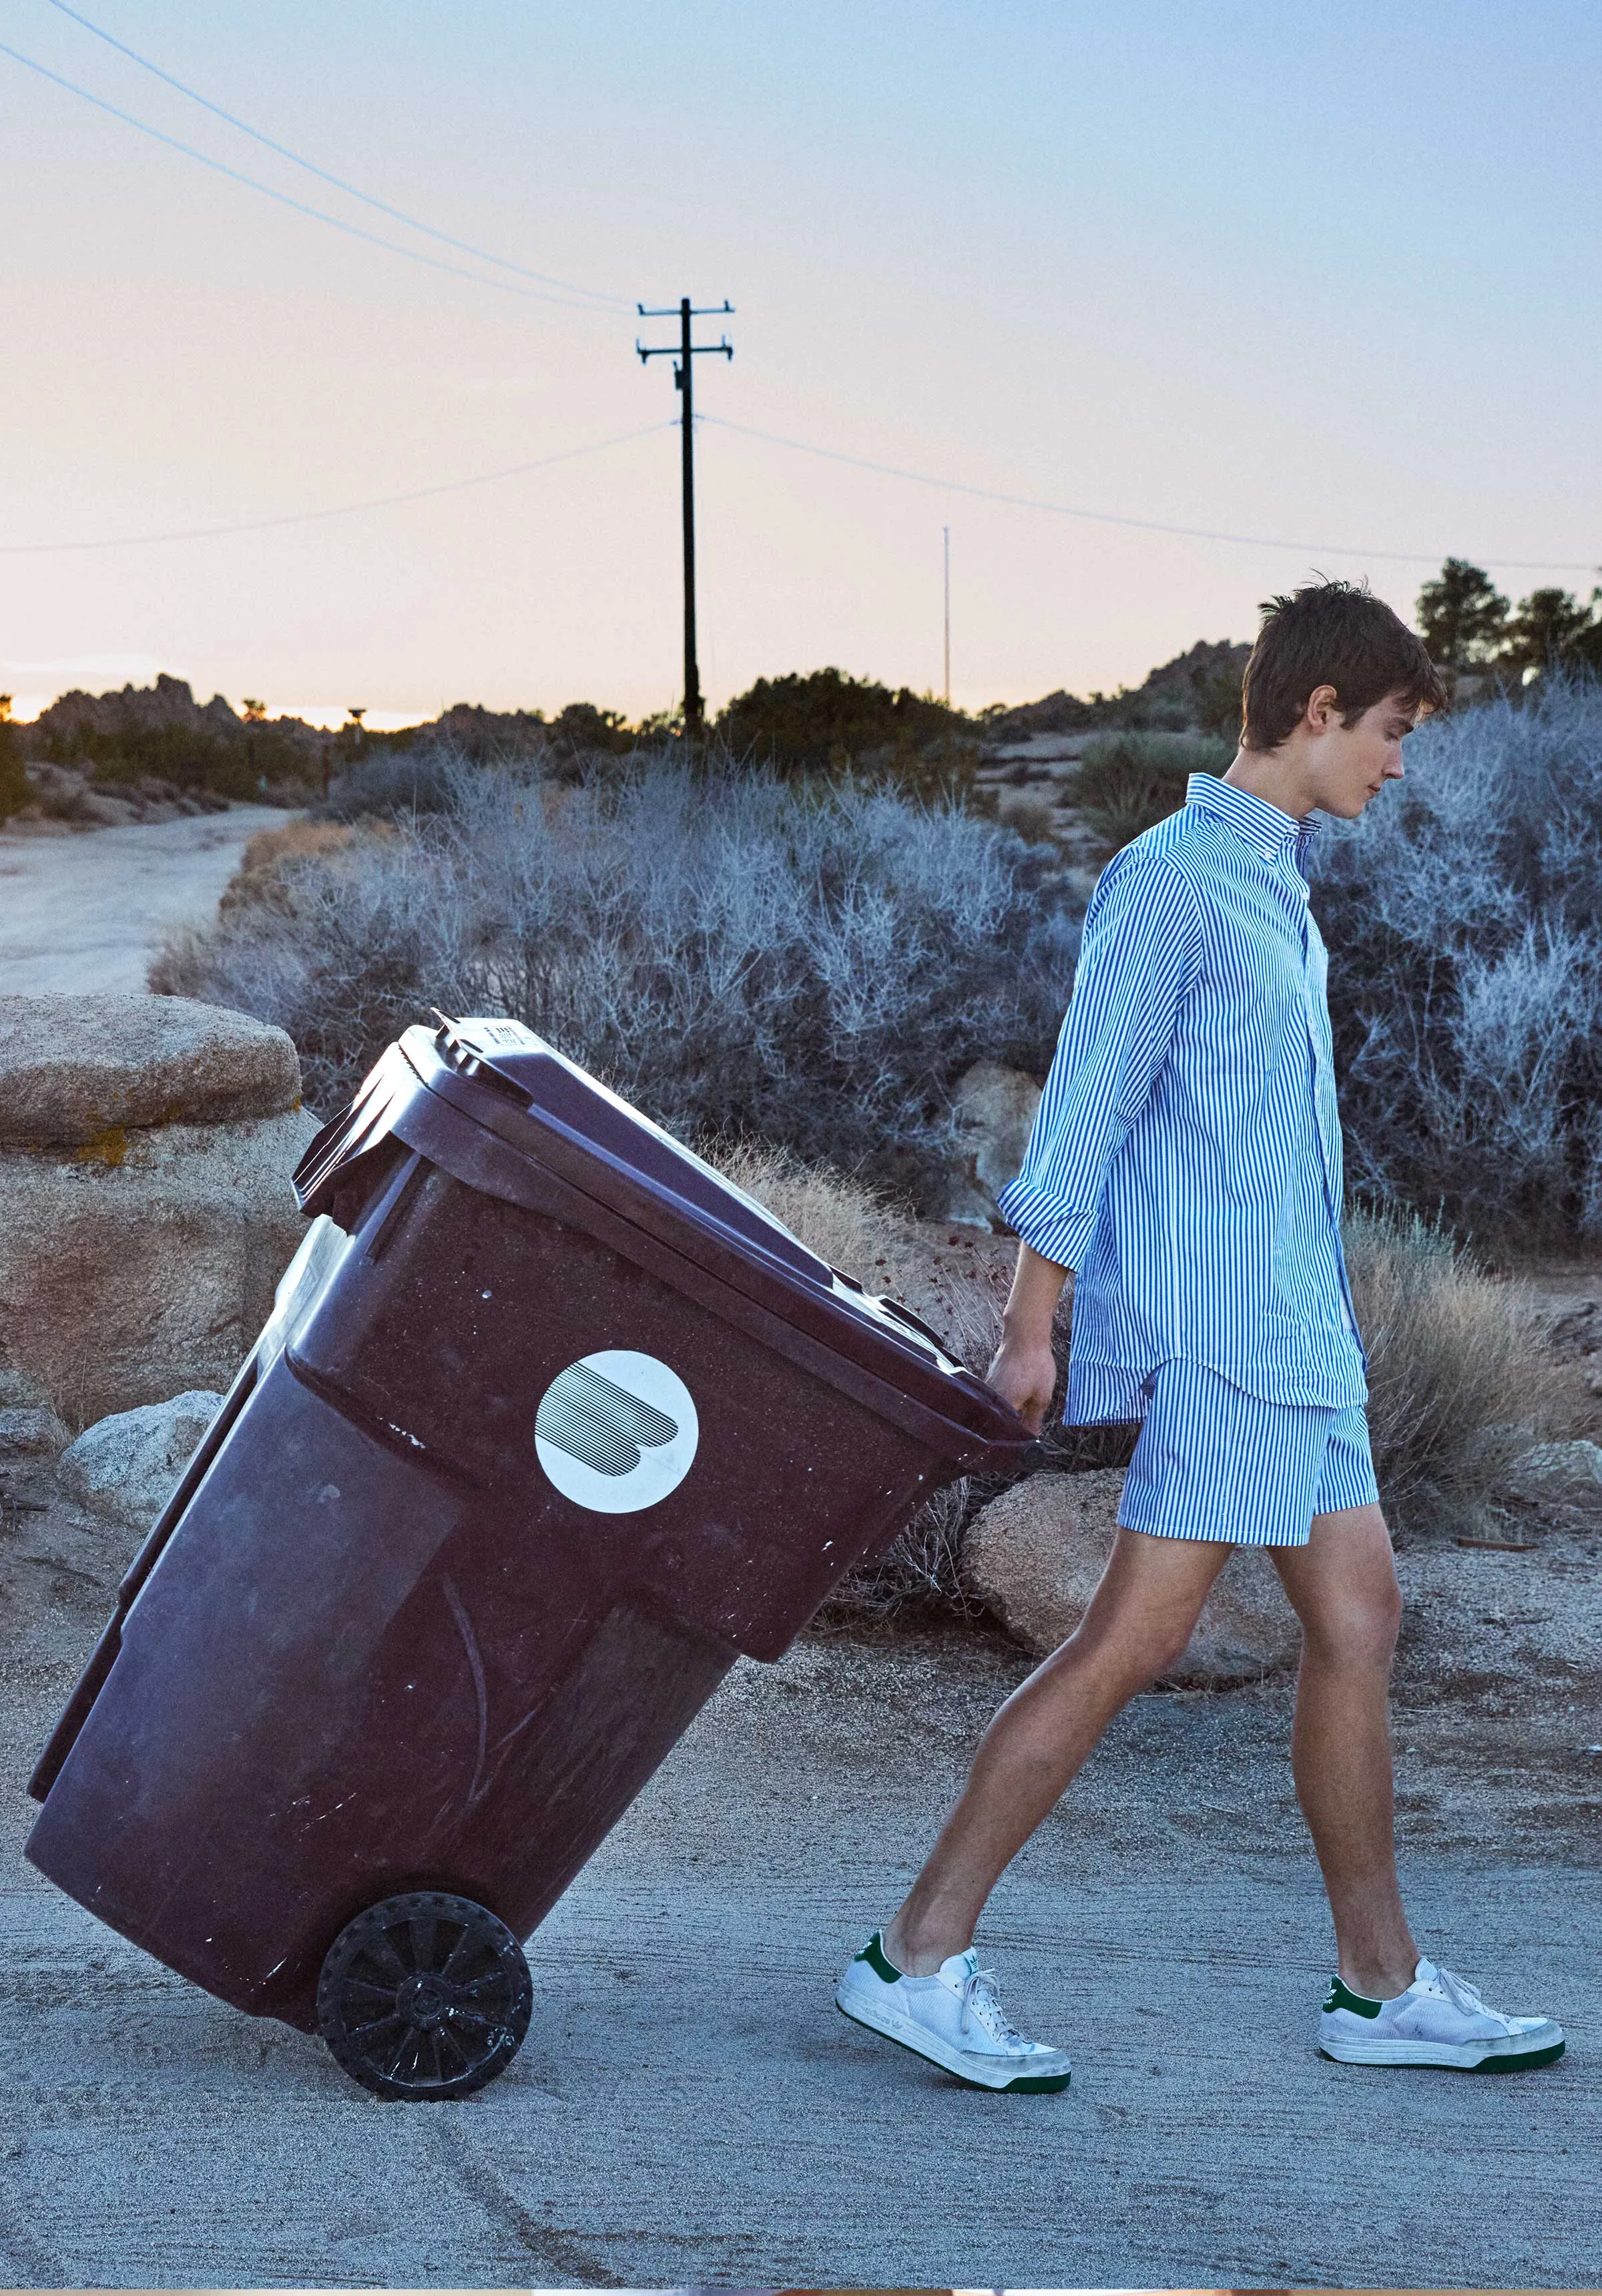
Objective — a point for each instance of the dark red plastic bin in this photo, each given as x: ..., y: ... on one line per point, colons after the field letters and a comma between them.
x: 549, y: 1424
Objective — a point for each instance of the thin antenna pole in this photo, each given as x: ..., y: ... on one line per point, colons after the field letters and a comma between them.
x: 946, y: 538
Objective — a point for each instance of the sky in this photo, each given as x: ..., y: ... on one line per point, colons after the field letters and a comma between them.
x: 1319, y: 276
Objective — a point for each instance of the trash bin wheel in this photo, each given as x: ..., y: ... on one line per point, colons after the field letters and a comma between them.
x: 426, y: 1996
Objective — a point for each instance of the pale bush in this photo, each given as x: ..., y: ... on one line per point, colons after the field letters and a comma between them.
x: 1464, y: 915
x: 810, y: 965
x: 1459, y: 1382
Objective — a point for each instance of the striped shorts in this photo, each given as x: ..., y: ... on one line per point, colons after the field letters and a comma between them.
x: 1215, y: 1463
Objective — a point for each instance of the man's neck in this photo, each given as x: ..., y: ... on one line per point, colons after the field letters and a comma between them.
x: 1277, y: 777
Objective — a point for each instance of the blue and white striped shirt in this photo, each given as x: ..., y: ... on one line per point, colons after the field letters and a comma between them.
x: 1186, y: 1158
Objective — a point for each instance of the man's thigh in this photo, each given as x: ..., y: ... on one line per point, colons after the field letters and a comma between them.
x: 1342, y: 1583
x: 1153, y: 1588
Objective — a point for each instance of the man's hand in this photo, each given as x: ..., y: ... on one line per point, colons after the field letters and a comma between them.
x: 1023, y: 1373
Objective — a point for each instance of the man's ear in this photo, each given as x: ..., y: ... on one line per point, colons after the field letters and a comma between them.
x: 1320, y: 710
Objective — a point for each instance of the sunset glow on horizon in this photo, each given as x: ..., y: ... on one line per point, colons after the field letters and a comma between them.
x: 1315, y: 277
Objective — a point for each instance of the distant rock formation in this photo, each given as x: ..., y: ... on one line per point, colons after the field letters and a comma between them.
x: 1174, y: 686
x: 169, y: 701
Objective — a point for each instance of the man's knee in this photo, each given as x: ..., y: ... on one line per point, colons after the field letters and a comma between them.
x: 1356, y: 1626
x: 1141, y: 1618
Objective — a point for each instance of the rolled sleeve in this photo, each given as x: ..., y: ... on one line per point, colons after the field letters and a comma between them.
x: 1139, y: 958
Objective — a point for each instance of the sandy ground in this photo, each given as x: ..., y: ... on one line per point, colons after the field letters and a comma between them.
x: 88, y: 911
x: 689, y: 2109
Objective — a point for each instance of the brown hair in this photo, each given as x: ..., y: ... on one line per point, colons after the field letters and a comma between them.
x: 1331, y: 634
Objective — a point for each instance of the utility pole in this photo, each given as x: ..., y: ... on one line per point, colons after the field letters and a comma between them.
x: 687, y: 353
x: 946, y: 538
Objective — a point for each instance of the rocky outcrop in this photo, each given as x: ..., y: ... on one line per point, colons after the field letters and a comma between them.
x: 145, y: 1206
x: 1035, y: 1555
x: 994, y: 1108
x: 76, y: 1070
x: 125, y: 1467
x: 144, y: 709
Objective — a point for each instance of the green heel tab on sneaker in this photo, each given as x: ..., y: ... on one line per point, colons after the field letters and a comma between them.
x: 1342, y: 1997
x: 878, y: 1960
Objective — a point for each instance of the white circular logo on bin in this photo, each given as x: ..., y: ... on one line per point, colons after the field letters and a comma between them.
x: 616, y: 1431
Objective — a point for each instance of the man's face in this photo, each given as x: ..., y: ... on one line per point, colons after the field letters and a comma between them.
x: 1350, y: 764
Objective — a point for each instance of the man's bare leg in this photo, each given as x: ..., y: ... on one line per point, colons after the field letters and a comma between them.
x: 1342, y: 1586
x: 1138, y: 1622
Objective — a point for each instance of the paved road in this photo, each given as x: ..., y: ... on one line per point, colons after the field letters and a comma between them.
x: 88, y: 912
x: 689, y: 2109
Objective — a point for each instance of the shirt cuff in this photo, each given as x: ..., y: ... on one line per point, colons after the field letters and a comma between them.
x: 1055, y: 1231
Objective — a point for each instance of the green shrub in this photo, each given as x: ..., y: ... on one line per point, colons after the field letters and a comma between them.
x: 234, y: 766
x: 1127, y: 782
x: 827, y: 723
x: 15, y: 790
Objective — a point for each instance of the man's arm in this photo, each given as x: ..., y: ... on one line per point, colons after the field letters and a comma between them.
x: 1024, y: 1371
x: 1139, y: 958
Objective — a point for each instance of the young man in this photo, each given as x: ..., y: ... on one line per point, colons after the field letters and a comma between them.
x: 1186, y: 1161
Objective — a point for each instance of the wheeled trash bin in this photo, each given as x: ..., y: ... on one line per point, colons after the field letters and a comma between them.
x: 549, y: 1423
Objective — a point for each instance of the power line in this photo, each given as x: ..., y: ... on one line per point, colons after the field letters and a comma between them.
x: 318, y: 215
x: 1142, y: 525
x: 338, y: 510
x: 396, y: 214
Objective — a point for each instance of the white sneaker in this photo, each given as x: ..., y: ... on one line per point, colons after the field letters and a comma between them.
x: 1438, y: 2021
x: 952, y: 2017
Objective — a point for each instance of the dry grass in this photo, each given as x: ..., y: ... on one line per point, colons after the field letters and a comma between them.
x: 259, y: 876
x: 851, y: 1227
x: 880, y: 1245
x: 1459, y: 1382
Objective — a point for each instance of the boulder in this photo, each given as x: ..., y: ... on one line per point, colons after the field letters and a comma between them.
x: 125, y: 1467
x: 1034, y: 1556
x: 75, y: 1070
x: 994, y: 1108
x: 145, y: 1206
x: 1567, y: 1474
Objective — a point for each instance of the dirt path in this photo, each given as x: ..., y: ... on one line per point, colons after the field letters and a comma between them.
x: 88, y: 911
x: 689, y: 2109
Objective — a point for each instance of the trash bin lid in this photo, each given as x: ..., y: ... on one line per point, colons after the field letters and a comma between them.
x: 506, y: 1112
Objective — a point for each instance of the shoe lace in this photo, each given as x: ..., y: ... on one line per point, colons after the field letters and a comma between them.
x: 980, y: 2004
x: 1461, y: 1994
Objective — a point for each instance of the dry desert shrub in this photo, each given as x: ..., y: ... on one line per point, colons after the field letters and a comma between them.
x: 1464, y: 918
x: 1458, y: 1380
x: 263, y: 865
x: 735, y: 953
x: 879, y: 1244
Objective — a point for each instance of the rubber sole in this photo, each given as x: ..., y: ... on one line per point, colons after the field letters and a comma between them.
x: 1435, y: 2060
x: 1020, y: 2085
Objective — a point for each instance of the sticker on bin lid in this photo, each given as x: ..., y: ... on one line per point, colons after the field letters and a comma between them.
x: 616, y: 1431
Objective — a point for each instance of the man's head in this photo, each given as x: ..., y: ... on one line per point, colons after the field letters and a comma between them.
x: 1335, y: 681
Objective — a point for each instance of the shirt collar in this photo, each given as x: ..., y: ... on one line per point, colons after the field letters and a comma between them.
x: 1275, y: 835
